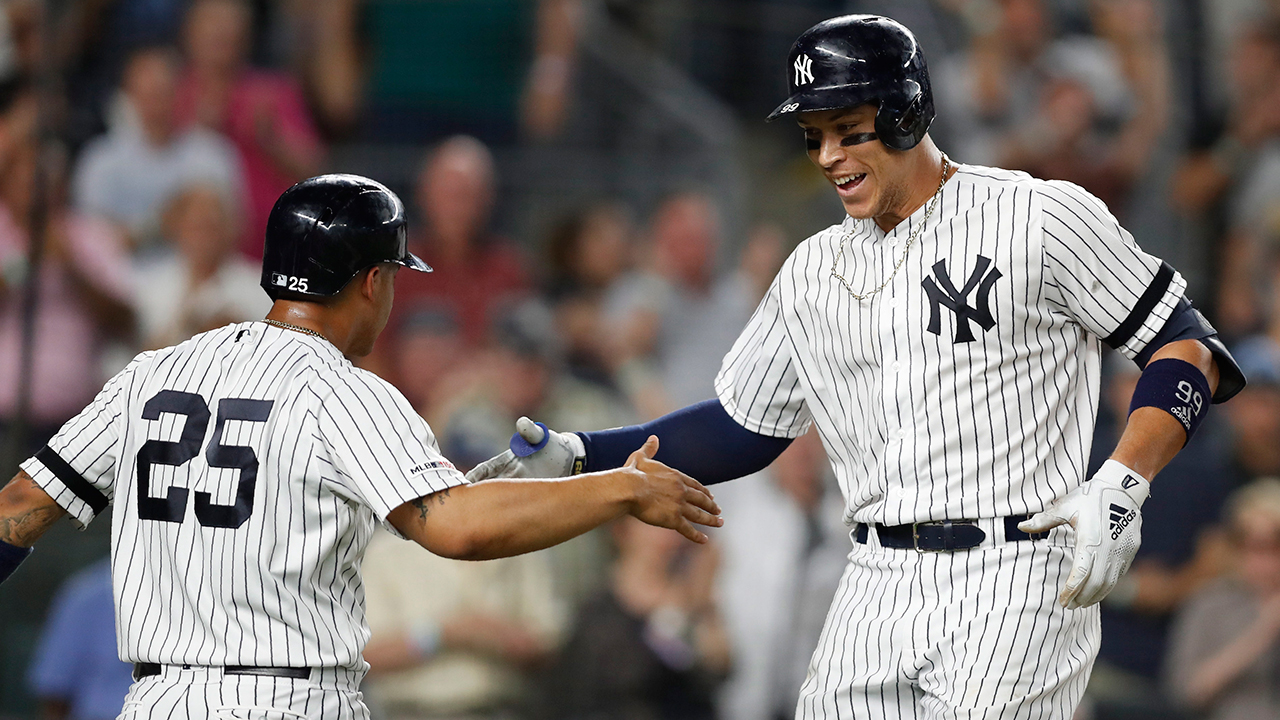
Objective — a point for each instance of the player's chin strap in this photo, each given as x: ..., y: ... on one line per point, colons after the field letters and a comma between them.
x: 11, y: 556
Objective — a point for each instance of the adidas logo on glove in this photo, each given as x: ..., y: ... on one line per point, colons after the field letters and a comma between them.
x: 1120, y: 519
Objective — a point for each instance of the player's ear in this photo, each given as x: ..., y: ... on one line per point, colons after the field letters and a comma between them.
x: 369, y: 280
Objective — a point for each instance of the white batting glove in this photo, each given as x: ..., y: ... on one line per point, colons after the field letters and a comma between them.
x: 1106, y: 513
x: 536, y: 452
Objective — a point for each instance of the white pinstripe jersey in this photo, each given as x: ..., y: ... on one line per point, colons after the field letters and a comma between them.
x: 968, y: 387
x: 247, y: 467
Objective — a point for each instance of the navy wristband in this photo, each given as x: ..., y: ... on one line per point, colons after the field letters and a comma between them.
x: 11, y: 556
x: 1176, y: 387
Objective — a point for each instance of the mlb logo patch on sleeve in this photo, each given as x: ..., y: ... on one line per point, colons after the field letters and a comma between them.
x: 433, y: 465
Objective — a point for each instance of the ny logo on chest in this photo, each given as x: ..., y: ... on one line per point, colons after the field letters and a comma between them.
x: 957, y: 301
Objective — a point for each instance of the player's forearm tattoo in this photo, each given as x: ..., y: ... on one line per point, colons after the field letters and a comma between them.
x: 24, y: 526
x: 424, y: 503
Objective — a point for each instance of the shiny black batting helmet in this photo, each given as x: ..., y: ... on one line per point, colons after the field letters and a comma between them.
x: 853, y: 60
x: 326, y: 229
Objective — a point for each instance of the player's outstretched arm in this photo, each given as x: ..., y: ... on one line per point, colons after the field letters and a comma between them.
x: 504, y: 517
x: 1106, y: 510
x: 701, y: 440
x: 26, y: 511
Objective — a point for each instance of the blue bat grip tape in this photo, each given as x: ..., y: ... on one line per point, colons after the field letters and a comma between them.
x: 521, y: 447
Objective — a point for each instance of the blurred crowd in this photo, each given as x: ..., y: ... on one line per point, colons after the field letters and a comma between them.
x: 143, y: 142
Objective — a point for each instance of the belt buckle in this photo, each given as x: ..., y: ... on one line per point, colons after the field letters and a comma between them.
x: 915, y: 536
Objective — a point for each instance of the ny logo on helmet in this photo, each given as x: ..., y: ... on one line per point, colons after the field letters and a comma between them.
x: 804, y: 70
x: 958, y: 300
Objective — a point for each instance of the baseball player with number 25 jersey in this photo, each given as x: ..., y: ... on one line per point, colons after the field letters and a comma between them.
x: 249, y: 464
x: 946, y: 341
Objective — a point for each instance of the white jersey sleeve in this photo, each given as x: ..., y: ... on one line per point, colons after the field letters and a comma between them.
x: 1097, y: 274
x: 77, y: 468
x: 382, y: 451
x: 758, y: 384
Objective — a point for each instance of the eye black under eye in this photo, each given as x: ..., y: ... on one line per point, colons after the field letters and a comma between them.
x: 857, y: 139
x: 812, y: 143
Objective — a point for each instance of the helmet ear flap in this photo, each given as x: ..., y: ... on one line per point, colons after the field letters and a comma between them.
x: 898, y: 126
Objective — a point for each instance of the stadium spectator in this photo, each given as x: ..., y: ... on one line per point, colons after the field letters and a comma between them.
x: 817, y: 575
x: 547, y: 95
x: 520, y: 373
x: 76, y: 671
x: 324, y: 42
x: 1239, y: 176
x: 129, y: 174
x: 1252, y: 118
x: 477, y: 273
x: 650, y: 645
x: 262, y: 112
x: 85, y: 289
x: 199, y: 282
x: 21, y: 46
x: 991, y: 95
x: 455, y: 639
x: 1226, y: 644
x: 783, y: 554
x: 1066, y: 139
x: 1255, y: 420
x: 762, y: 257
x: 1182, y: 549
x: 93, y: 42
x: 426, y: 357
x: 587, y: 252
x: 675, y: 320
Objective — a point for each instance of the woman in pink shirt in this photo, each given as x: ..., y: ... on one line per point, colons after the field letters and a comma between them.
x: 263, y: 113
x: 85, y: 294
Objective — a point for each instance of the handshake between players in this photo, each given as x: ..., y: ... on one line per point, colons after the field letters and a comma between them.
x: 509, y: 517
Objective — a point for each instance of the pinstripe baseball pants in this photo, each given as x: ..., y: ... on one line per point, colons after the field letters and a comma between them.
x: 206, y: 694
x: 968, y: 634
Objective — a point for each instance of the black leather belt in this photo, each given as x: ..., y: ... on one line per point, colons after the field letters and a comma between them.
x: 145, y: 669
x: 942, y: 535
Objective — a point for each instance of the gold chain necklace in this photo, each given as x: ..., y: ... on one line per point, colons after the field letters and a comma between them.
x: 933, y: 202
x: 287, y: 326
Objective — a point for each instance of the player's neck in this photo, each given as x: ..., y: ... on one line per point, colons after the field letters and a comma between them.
x: 919, y: 186
x: 314, y: 317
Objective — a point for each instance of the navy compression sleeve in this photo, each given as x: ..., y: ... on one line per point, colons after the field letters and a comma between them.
x: 1186, y: 323
x: 701, y: 441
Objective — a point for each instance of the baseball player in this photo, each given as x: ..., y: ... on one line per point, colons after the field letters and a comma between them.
x: 248, y: 465
x: 945, y: 339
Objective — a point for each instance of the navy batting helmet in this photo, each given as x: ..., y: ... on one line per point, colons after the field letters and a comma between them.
x: 858, y: 59
x: 326, y: 229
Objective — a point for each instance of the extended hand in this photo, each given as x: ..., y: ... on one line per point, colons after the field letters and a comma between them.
x: 669, y: 498
x: 1105, y: 511
x: 536, y: 452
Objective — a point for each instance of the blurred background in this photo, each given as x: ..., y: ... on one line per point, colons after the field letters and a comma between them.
x: 603, y: 204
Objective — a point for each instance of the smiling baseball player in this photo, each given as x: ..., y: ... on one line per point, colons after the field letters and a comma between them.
x: 249, y: 464
x: 946, y: 340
